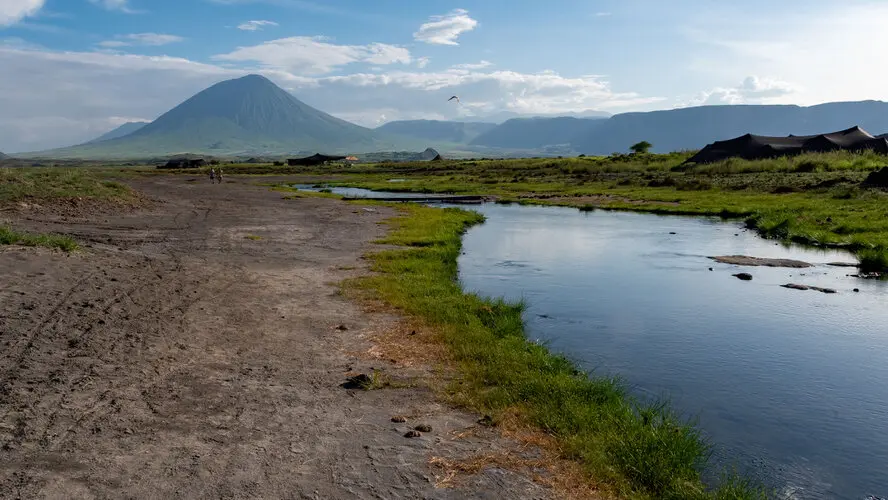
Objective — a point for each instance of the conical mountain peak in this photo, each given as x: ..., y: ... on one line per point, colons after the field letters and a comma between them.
x: 245, y: 114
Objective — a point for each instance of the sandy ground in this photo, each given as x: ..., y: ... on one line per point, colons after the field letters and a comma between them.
x: 176, y: 358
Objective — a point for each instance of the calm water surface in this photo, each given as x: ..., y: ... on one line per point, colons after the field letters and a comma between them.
x: 791, y: 386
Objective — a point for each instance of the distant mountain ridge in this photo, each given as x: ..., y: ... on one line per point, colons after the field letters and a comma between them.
x: 536, y: 133
x: 437, y: 130
x: 694, y: 128
x: 240, y: 116
x: 3, y: 156
x: 121, y: 131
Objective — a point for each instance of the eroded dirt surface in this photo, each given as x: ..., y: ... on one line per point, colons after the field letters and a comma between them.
x: 177, y: 358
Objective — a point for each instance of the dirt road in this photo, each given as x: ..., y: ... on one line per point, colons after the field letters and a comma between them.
x: 191, y: 350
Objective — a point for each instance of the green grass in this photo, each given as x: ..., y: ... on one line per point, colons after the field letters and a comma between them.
x: 814, y: 199
x: 46, y: 184
x: 253, y: 237
x: 642, y: 450
x: 9, y: 236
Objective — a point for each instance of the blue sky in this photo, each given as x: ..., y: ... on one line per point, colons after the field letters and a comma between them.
x: 73, y: 69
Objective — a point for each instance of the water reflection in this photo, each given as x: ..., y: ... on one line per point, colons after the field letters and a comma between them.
x: 790, y: 383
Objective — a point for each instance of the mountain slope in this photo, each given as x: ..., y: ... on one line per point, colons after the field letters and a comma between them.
x: 123, y: 130
x: 248, y: 115
x: 3, y: 156
x: 693, y: 128
x: 535, y: 133
x: 436, y: 130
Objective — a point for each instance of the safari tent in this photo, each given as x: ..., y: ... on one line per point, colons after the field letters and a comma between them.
x: 752, y: 147
x: 315, y: 159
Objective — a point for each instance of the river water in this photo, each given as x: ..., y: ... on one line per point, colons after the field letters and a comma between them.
x: 790, y: 386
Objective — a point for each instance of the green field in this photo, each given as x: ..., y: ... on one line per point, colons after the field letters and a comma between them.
x: 814, y: 199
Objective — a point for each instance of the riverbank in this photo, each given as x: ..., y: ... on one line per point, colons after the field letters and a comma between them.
x: 633, y: 449
x: 816, y: 199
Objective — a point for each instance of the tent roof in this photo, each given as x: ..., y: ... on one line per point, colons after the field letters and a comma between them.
x: 751, y: 146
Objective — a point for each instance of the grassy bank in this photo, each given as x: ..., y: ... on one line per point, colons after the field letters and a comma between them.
x: 814, y: 199
x: 639, y: 450
x: 51, y: 184
x: 9, y: 236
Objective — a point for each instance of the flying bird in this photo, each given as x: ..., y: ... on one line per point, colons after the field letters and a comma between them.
x: 454, y: 97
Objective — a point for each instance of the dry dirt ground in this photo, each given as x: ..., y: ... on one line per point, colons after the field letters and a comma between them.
x: 174, y: 357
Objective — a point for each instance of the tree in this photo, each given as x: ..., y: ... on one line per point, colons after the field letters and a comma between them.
x: 641, y: 147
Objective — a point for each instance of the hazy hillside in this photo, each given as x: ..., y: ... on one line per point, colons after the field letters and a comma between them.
x: 503, y: 116
x: 121, y: 131
x: 240, y: 116
x: 535, y: 133
x: 693, y: 128
x: 3, y: 156
x: 437, y: 131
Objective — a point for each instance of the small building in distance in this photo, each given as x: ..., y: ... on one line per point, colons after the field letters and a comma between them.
x: 315, y: 159
x: 184, y: 163
x: 755, y: 147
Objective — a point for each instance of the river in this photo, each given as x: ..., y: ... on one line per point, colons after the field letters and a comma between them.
x: 790, y: 386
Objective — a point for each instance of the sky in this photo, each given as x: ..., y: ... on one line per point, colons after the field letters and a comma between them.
x: 71, y: 70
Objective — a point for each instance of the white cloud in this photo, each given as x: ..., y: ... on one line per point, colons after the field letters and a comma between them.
x: 362, y: 97
x: 827, y: 50
x: 313, y: 55
x: 13, y: 11
x: 255, y: 25
x: 479, y: 65
x: 144, y: 39
x: 602, y: 14
x: 444, y: 30
x: 422, y: 62
x: 753, y: 90
x: 121, y: 5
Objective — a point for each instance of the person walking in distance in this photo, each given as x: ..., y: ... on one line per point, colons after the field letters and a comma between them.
x: 220, y: 175
x: 212, y: 176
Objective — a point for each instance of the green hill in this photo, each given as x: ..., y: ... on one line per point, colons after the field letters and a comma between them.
x: 245, y: 116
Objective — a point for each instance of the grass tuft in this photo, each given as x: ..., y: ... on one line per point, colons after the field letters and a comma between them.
x: 9, y: 236
x: 873, y: 260
x: 641, y: 449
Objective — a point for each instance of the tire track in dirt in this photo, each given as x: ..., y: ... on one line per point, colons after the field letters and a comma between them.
x: 176, y: 358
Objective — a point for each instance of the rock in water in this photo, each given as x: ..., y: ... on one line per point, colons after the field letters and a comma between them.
x: 743, y: 276
x: 796, y: 287
x: 745, y: 260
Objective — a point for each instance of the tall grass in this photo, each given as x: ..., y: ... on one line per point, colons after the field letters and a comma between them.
x: 641, y: 449
x: 9, y: 236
